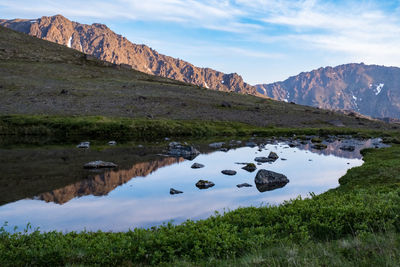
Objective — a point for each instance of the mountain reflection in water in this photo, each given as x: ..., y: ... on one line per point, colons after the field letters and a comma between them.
x: 106, y: 181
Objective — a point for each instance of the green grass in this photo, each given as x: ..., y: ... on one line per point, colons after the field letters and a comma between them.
x: 64, y: 127
x: 366, y: 206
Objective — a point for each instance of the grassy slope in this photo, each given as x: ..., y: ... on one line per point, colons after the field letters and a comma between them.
x: 34, y: 72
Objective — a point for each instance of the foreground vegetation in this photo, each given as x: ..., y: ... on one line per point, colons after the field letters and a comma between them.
x: 358, y: 219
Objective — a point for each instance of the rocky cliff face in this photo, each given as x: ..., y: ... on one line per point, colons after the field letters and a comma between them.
x: 98, y: 40
x: 367, y: 89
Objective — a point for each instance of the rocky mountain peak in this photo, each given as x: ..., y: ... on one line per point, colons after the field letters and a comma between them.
x: 98, y: 40
x: 367, y: 89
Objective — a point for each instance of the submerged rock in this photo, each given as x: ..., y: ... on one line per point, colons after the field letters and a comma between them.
x: 178, y: 150
x: 229, y: 172
x: 268, y: 180
x: 243, y: 185
x: 204, y: 184
x: 174, y: 191
x: 197, y: 166
x: 99, y: 164
x: 250, y: 167
x: 83, y: 145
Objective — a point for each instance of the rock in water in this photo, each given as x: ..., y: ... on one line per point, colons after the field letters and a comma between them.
x: 348, y: 148
x: 83, y: 145
x: 174, y: 191
x: 244, y: 185
x: 262, y: 159
x: 273, y: 156
x: 185, y: 151
x: 99, y: 164
x: 216, y: 145
x: 197, y: 166
x: 112, y: 143
x: 204, y: 184
x: 250, y: 167
x: 268, y: 180
x: 251, y: 144
x: 228, y: 172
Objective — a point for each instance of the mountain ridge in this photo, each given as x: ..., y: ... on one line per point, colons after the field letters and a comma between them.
x: 100, y: 41
x: 372, y: 90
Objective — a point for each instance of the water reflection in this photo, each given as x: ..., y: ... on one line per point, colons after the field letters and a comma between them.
x: 106, y: 181
x: 113, y: 200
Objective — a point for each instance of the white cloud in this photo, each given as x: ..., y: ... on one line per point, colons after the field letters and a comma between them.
x: 360, y: 32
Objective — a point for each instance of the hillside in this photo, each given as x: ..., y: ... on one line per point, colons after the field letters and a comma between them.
x: 98, y: 40
x: 44, y: 78
x: 367, y: 89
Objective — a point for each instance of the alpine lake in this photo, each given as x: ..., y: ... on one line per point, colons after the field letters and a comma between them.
x: 49, y: 187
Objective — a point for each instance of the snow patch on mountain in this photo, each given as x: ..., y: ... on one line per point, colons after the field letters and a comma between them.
x: 69, y: 42
x: 379, y: 88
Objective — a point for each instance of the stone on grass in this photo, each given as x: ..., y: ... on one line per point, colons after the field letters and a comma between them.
x: 83, y: 145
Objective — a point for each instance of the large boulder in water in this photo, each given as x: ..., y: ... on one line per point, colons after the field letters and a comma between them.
x: 268, y: 180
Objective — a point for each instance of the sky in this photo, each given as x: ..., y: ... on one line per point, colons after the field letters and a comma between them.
x: 262, y: 40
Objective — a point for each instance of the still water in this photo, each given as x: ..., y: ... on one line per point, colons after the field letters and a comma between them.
x: 48, y: 187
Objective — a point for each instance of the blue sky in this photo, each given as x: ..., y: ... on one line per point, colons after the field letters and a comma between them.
x: 262, y: 40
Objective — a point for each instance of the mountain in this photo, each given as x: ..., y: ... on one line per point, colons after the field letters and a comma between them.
x: 98, y: 40
x: 367, y: 89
